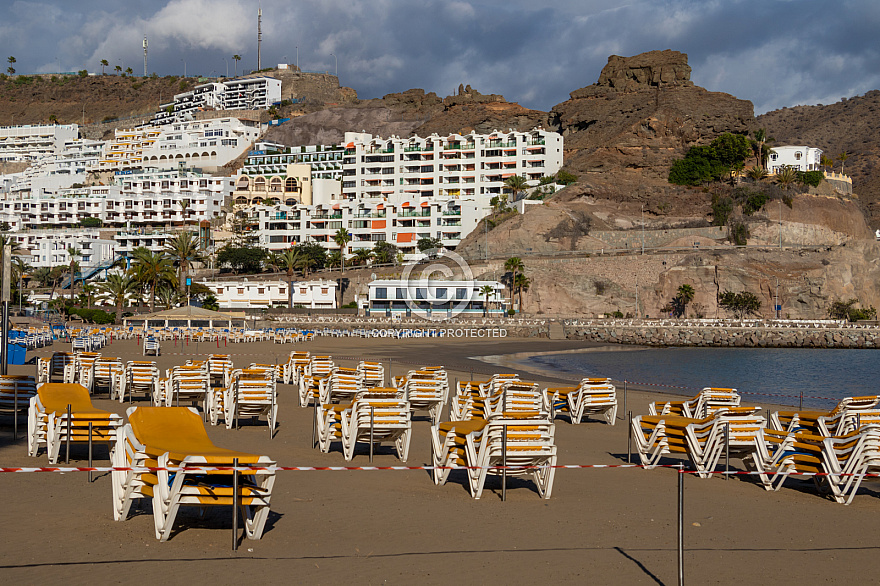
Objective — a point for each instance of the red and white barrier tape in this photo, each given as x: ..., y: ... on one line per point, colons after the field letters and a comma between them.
x: 274, y: 469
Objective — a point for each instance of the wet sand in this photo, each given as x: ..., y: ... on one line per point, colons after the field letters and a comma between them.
x: 605, y: 525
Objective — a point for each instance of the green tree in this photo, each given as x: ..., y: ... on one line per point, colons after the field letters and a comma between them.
x: 150, y: 269
x: 118, y: 69
x: 116, y: 289
x: 384, y: 252
x: 183, y: 250
x: 740, y: 304
x: 104, y: 63
x: 847, y: 310
x: 756, y: 173
x: 342, y: 238
x: 722, y: 207
x: 759, y: 147
x: 425, y: 244
x: 826, y: 162
x: 184, y: 208
x: 566, y: 178
x: 11, y: 60
x: 243, y: 259
x: 514, y: 265
x: 515, y: 184
x: 235, y: 60
x: 167, y: 295
x: 128, y: 71
x: 313, y: 256
x: 210, y: 301
x: 334, y: 259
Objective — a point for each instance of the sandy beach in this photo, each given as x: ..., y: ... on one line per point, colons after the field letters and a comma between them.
x: 602, y: 525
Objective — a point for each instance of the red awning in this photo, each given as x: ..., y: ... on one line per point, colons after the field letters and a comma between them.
x: 405, y: 237
x: 350, y: 145
x: 337, y: 207
x: 425, y: 204
x: 506, y: 175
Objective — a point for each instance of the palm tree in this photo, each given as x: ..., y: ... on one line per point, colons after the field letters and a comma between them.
x: 760, y: 139
x: 235, y: 60
x: 183, y: 250
x: 521, y: 283
x: 685, y: 296
x: 184, y: 206
x: 786, y: 177
x: 362, y: 256
x: 756, y: 173
x: 342, y: 238
x: 516, y: 184
x: 486, y: 290
x: 88, y: 290
x: 73, y: 252
x: 118, y: 69
x: 289, y: 261
x: 11, y: 60
x: 104, y: 63
x: 150, y: 268
x: 842, y: 157
x: 128, y: 70
x: 43, y: 276
x: 826, y: 162
x: 167, y: 295
x: 515, y: 265
x: 115, y: 289
x: 334, y: 259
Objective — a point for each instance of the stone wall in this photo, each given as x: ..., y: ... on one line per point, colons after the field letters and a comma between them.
x: 725, y: 337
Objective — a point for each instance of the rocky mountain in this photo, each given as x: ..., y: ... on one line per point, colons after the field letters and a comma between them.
x: 851, y: 125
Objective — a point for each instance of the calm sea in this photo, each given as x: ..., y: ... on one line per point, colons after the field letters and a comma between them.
x: 760, y: 374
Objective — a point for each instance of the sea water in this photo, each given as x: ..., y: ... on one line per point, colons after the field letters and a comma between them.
x: 771, y: 375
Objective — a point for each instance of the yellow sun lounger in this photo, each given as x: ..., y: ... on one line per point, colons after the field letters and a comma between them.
x: 176, y: 437
x: 48, y: 421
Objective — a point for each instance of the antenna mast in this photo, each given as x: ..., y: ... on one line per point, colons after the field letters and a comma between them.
x: 145, y: 55
x: 259, y: 37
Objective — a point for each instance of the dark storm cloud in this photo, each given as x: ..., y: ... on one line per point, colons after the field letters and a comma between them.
x: 775, y: 53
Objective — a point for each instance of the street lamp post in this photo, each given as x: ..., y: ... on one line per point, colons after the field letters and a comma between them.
x: 297, y: 58
x: 643, y: 228
x: 336, y: 65
x: 184, y: 66
x: 227, y: 66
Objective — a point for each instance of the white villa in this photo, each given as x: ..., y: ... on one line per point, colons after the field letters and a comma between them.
x: 433, y: 298
x: 802, y: 158
x: 245, y: 293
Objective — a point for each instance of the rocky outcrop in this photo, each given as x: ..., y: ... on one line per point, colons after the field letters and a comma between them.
x: 651, y: 69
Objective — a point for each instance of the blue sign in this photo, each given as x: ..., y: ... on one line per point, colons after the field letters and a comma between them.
x: 189, y: 281
x: 257, y: 153
x: 778, y: 308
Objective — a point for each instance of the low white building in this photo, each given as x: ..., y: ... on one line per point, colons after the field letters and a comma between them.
x: 256, y: 92
x: 434, y: 299
x: 245, y: 293
x: 802, y: 158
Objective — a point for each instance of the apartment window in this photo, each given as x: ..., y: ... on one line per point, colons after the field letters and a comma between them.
x: 381, y: 293
x: 302, y: 290
x: 461, y: 293
x: 421, y: 293
x: 241, y: 291
x: 401, y: 293
x: 324, y: 290
x: 440, y: 293
x: 261, y: 291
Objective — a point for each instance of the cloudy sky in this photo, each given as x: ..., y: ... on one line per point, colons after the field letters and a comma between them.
x: 773, y: 52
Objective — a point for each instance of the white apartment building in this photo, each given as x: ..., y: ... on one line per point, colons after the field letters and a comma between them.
x: 257, y: 92
x: 402, y: 224
x: 244, y: 293
x: 206, y: 144
x: 433, y: 298
x: 151, y: 198
x: 454, y: 166
x: 30, y: 143
x: 802, y: 158
x: 152, y: 240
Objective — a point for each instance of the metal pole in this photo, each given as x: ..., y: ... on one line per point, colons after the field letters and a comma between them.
x: 681, y: 525
x: 801, y: 407
x: 624, y: 396
x: 234, y: 504
x: 372, y: 422
x: 629, y: 438
x: 90, y: 451
x: 272, y: 418
x: 67, y: 458
x: 504, y: 463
